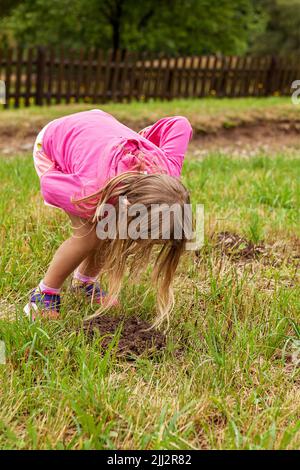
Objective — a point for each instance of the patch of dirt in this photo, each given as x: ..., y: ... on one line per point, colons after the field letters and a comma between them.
x: 134, y: 339
x: 244, y: 138
x: 248, y: 138
x: 15, y: 146
x: 238, y: 248
x: 217, y: 419
x: 201, y: 437
x: 18, y: 138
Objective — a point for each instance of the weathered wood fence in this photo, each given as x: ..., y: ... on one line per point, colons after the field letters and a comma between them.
x: 47, y: 76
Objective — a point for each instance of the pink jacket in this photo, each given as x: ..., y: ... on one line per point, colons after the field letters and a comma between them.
x: 89, y: 148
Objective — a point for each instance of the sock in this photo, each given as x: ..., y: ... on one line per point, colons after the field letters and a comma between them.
x: 49, y: 290
x: 83, y: 278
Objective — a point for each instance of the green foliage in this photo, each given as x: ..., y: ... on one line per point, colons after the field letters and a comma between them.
x: 282, y: 31
x: 7, y: 6
x: 189, y: 27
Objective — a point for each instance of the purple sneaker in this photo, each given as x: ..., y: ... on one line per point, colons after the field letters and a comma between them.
x: 92, y: 291
x: 44, y: 304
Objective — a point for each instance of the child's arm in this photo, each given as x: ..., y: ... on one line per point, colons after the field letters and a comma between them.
x: 172, y: 135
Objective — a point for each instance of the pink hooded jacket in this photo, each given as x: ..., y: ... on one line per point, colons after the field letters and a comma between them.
x: 89, y: 148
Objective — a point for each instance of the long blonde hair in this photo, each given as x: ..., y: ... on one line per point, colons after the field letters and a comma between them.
x: 149, y: 190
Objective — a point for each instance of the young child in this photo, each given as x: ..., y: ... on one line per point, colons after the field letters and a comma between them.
x: 86, y: 160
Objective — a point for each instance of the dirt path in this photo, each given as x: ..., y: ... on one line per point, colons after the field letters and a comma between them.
x: 249, y: 138
x: 242, y: 138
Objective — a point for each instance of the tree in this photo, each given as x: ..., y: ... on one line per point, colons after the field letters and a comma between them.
x: 120, y: 13
x: 6, y: 6
x: 282, y: 31
x: 174, y: 26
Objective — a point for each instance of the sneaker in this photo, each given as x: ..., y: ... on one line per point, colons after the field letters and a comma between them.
x: 93, y: 292
x: 43, y: 304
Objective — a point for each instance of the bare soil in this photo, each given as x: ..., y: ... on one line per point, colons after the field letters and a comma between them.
x: 135, y: 337
x: 241, y: 251
x: 242, y: 137
x: 238, y: 247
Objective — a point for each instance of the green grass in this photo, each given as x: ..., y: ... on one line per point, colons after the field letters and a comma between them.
x: 226, y: 379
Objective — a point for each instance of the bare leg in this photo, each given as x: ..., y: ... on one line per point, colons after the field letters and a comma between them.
x: 77, y: 251
x: 80, y: 246
x: 91, y: 265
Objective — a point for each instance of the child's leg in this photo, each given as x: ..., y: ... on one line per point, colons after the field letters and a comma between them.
x: 71, y: 253
x: 85, y: 280
x: 90, y: 266
x: 45, y: 299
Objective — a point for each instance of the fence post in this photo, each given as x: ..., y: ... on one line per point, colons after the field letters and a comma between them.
x: 270, y: 77
x: 40, y: 76
x: 9, y: 55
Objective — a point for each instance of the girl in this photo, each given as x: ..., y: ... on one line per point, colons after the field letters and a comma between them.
x: 86, y: 160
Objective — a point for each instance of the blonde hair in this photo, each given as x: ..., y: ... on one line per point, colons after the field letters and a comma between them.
x: 149, y: 190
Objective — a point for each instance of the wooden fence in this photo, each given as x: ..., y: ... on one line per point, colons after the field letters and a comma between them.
x: 46, y: 76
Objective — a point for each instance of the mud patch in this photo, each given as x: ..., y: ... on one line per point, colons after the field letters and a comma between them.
x: 238, y: 248
x: 134, y: 339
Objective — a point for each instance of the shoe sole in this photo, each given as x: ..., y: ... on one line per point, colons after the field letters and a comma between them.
x: 32, y: 308
x: 28, y: 310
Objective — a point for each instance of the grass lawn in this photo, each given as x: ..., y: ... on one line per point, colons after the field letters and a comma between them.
x: 229, y: 377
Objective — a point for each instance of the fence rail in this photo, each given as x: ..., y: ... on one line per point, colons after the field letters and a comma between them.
x: 47, y: 76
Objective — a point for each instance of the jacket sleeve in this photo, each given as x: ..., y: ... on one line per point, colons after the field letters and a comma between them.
x: 172, y: 135
x: 58, y: 188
